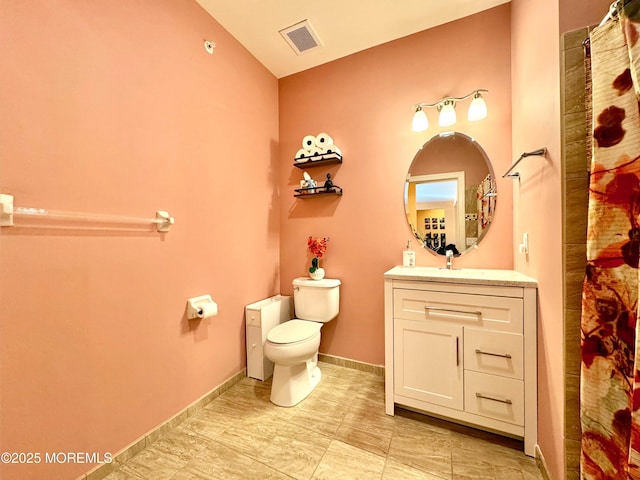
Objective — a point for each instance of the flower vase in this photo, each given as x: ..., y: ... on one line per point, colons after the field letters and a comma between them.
x: 318, y: 274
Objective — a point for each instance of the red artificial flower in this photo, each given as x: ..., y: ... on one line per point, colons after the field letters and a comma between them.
x: 317, y: 246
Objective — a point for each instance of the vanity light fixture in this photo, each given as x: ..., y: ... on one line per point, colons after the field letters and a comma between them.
x: 447, y: 113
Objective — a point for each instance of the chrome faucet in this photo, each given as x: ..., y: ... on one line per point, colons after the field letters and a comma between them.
x: 449, y: 254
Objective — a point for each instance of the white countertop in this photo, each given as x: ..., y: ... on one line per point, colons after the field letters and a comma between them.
x: 476, y: 276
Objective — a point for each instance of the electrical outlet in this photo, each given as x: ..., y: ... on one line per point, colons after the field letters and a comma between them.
x: 524, y: 246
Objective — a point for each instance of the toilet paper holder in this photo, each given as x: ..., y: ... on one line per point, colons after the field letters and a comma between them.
x: 196, y: 306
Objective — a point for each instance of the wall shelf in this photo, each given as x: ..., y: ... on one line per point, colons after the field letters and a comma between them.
x: 324, y: 159
x: 319, y: 160
x: 317, y: 192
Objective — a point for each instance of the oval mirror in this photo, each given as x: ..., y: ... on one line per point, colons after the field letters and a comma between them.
x: 450, y: 194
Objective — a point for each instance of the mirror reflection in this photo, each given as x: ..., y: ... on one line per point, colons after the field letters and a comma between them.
x: 450, y: 194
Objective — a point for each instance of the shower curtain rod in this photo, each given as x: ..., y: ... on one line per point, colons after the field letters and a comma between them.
x: 614, y: 8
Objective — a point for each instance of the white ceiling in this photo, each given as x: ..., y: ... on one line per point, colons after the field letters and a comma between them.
x: 343, y: 26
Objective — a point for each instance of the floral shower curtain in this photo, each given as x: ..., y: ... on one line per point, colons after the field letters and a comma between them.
x: 610, y: 370
x: 486, y: 202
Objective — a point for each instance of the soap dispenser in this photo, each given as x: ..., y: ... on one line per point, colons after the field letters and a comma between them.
x: 408, y: 256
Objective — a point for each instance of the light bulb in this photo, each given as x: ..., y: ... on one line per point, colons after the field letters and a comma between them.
x: 478, y: 108
x: 420, y: 121
x: 447, y: 114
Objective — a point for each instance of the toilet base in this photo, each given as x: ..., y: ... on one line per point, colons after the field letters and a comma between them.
x: 293, y: 383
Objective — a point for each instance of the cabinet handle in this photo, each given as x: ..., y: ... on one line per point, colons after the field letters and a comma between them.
x: 507, y: 401
x: 503, y: 355
x: 457, y: 351
x: 476, y: 312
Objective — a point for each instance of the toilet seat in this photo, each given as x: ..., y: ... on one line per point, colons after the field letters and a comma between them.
x: 293, y: 331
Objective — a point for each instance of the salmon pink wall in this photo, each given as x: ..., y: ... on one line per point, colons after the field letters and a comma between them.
x: 364, y: 102
x: 117, y: 109
x: 537, y: 197
x: 536, y: 29
x: 576, y: 14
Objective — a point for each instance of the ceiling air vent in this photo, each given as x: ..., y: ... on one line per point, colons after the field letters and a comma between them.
x: 301, y: 37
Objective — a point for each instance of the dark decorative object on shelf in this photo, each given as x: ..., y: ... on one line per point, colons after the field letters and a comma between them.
x: 328, y: 185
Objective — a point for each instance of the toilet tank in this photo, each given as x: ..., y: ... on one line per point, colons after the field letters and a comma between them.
x: 316, y: 300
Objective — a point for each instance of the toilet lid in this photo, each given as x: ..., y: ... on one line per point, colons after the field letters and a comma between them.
x: 293, y: 331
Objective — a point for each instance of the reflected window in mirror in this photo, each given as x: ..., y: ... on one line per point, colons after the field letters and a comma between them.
x: 450, y: 194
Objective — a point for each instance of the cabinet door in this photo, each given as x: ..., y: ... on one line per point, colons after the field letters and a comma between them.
x: 428, y: 362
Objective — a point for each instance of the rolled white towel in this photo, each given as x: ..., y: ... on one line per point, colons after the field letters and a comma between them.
x: 323, y: 140
x: 332, y: 149
x: 309, y: 142
x: 315, y: 153
x: 302, y: 155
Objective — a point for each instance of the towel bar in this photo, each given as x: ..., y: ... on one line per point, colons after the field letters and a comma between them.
x: 542, y: 152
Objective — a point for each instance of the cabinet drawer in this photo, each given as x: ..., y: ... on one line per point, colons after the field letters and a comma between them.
x: 494, y: 397
x: 481, y: 311
x: 495, y: 353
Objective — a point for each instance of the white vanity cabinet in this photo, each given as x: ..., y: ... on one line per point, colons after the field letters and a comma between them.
x: 461, y: 345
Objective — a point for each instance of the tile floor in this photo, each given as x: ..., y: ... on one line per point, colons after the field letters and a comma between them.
x: 339, y: 432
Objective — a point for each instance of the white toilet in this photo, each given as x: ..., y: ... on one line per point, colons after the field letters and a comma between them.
x: 293, y: 346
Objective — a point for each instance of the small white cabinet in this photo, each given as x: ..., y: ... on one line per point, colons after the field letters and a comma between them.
x: 461, y: 345
x: 261, y: 317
